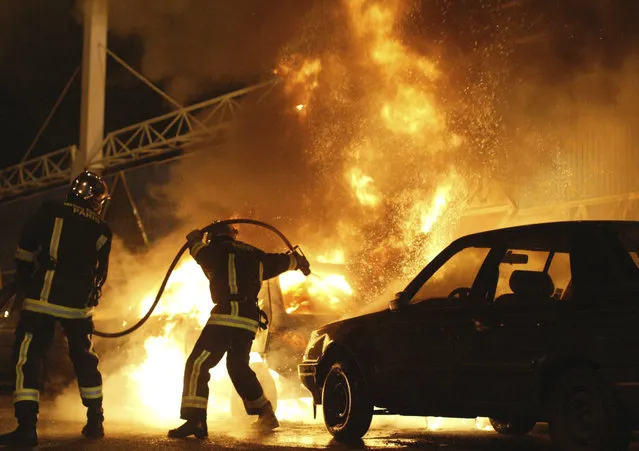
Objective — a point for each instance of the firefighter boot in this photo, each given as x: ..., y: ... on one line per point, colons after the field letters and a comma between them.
x: 267, y: 421
x: 25, y: 434
x: 197, y: 428
x: 94, y: 428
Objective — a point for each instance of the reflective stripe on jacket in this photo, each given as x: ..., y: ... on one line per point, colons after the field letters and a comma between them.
x: 236, y: 271
x: 65, y: 249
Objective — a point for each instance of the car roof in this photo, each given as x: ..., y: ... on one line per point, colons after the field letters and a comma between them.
x: 542, y: 236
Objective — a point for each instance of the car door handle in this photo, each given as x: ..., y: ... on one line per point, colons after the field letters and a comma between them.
x: 482, y: 326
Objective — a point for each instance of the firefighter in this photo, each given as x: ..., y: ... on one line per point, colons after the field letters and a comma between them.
x: 235, y: 271
x: 61, y: 261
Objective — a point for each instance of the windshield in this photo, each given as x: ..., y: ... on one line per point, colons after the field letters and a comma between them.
x: 457, y: 273
x: 630, y: 239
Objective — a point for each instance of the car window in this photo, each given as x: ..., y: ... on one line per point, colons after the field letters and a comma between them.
x: 560, y: 274
x: 459, y: 271
x: 630, y: 240
x: 556, y: 265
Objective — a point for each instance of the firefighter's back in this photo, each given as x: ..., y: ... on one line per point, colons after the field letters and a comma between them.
x: 69, y: 238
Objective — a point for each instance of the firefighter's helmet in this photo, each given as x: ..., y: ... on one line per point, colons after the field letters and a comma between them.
x: 89, y: 188
x: 223, y: 229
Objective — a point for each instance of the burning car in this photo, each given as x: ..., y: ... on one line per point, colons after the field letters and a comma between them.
x: 527, y: 324
x: 157, y: 351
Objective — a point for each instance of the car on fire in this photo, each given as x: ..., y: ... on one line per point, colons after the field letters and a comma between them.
x: 535, y: 323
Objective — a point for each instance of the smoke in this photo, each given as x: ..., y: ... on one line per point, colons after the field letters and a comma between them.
x: 403, y: 106
x: 390, y: 119
x: 192, y: 45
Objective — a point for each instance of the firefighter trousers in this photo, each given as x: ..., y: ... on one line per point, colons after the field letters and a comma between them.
x: 209, y: 349
x: 34, y: 334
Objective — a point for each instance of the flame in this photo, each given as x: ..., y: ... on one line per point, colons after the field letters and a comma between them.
x: 363, y: 186
x: 335, y: 256
x: 323, y: 290
x: 430, y: 217
x: 411, y: 112
x: 319, y: 292
x: 301, y: 78
x: 396, y: 159
x: 155, y: 381
x: 186, y: 293
x: 395, y: 162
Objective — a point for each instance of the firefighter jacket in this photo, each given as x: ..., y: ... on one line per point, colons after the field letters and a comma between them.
x: 236, y: 271
x: 62, y: 260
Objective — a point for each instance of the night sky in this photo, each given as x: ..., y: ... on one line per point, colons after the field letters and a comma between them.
x: 41, y: 45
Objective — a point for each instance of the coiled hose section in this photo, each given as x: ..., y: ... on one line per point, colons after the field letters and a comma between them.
x: 174, y: 263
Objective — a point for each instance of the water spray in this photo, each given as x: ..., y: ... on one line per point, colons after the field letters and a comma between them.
x: 175, y: 261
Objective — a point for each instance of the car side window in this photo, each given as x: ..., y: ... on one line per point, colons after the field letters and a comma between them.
x: 454, y: 277
x: 521, y: 269
x: 560, y: 274
x: 630, y: 241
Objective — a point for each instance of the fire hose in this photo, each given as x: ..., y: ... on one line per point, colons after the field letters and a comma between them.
x: 174, y: 263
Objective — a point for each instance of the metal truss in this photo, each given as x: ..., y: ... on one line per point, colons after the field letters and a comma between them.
x: 161, y: 136
x: 618, y: 206
x: 41, y: 172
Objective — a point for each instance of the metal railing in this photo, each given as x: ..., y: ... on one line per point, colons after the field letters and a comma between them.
x: 153, y: 138
x: 40, y: 172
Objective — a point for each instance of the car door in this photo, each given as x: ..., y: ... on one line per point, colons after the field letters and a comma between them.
x: 416, y: 344
x: 513, y: 333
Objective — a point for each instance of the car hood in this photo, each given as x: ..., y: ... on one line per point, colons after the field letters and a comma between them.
x: 352, y: 321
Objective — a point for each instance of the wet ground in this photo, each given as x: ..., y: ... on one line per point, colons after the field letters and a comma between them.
x: 385, y: 433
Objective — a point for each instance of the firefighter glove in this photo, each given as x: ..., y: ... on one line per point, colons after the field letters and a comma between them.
x: 195, y: 236
x: 302, y: 263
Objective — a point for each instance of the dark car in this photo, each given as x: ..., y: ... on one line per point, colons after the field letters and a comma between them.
x: 537, y: 323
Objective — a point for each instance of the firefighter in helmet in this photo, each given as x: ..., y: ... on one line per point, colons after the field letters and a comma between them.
x: 61, y: 263
x: 235, y: 271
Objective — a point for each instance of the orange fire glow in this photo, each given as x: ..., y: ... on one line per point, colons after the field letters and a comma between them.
x: 397, y: 160
x: 320, y: 292
x: 155, y: 383
x: 399, y: 156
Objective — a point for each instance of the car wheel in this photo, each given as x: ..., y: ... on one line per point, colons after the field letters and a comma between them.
x: 519, y: 426
x: 347, y: 407
x: 268, y: 385
x: 585, y: 414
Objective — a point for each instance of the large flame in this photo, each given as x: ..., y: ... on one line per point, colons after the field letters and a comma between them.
x: 394, y: 141
x: 400, y: 192
x: 320, y: 292
x: 156, y: 381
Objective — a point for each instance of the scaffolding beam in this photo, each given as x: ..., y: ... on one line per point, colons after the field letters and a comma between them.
x: 157, y: 138
x: 93, y: 87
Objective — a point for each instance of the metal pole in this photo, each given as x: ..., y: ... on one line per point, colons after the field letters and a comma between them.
x: 93, y: 87
x: 134, y: 207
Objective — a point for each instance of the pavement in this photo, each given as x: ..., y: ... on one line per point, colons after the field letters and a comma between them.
x: 385, y: 433
x: 65, y: 436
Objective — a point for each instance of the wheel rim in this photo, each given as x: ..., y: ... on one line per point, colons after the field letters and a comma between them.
x: 337, y: 400
x: 585, y: 416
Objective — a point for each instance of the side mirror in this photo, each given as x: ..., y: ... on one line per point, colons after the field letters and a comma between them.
x: 515, y: 259
x: 398, y: 302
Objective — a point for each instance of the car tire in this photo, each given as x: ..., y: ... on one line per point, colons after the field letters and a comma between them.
x: 268, y: 385
x: 513, y: 427
x: 585, y: 414
x: 346, y: 404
